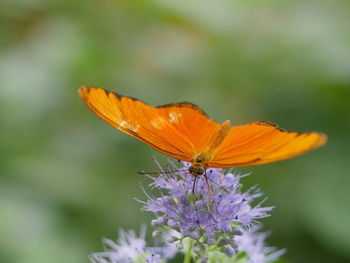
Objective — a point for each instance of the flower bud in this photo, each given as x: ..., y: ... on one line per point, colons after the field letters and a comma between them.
x: 223, y: 241
x: 211, y: 241
x: 197, y: 249
x: 179, y: 246
x: 238, y: 232
x: 195, y: 235
x: 161, y: 220
x: 172, y: 223
x: 229, y: 251
x: 234, y: 244
x: 156, y: 233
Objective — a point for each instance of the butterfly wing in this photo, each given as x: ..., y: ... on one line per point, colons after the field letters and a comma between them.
x: 179, y: 130
x: 262, y: 142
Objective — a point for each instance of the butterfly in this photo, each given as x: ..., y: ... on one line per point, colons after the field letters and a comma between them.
x: 183, y: 131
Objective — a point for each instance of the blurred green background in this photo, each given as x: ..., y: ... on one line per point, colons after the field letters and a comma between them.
x: 68, y: 179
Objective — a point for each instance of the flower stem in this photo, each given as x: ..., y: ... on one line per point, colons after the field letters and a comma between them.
x: 188, y: 254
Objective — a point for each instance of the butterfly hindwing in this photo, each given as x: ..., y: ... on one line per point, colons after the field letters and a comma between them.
x: 262, y: 142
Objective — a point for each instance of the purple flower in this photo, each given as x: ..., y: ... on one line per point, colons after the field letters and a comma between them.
x: 207, y: 214
x: 131, y: 248
x: 252, y: 243
x: 214, y: 221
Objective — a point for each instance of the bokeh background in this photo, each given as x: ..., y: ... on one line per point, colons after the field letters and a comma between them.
x: 68, y: 179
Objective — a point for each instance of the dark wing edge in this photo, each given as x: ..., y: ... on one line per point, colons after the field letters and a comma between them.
x: 268, y: 123
x: 184, y: 104
x: 81, y: 93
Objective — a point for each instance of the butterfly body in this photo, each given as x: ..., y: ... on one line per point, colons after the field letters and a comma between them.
x: 199, y: 164
x: 183, y: 131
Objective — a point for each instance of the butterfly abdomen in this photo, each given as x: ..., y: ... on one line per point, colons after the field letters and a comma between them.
x: 220, y: 135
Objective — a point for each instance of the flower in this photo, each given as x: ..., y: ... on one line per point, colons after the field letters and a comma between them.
x: 209, y: 218
x: 132, y: 248
x: 219, y: 210
x: 213, y: 213
x: 252, y: 243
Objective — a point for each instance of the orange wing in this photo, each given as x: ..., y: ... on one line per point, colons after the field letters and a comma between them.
x: 262, y: 142
x: 179, y: 130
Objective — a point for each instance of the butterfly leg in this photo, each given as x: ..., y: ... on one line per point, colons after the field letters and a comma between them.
x: 185, y: 178
x: 209, y: 192
x: 194, y: 186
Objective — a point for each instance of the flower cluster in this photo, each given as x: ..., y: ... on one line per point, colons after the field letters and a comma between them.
x: 132, y: 248
x: 214, y: 221
x: 252, y: 243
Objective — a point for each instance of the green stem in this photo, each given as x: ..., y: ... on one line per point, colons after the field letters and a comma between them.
x: 188, y: 255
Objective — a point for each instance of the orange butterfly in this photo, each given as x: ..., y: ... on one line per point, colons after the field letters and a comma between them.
x: 183, y: 131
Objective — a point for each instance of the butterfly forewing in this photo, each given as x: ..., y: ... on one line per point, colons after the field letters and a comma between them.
x: 189, y: 123
x: 179, y: 130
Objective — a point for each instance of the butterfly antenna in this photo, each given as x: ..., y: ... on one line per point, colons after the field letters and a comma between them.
x: 157, y: 164
x: 161, y: 172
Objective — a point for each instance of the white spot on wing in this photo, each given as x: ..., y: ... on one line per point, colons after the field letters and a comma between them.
x: 127, y: 125
x: 158, y: 123
x: 133, y: 129
x: 174, y: 117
